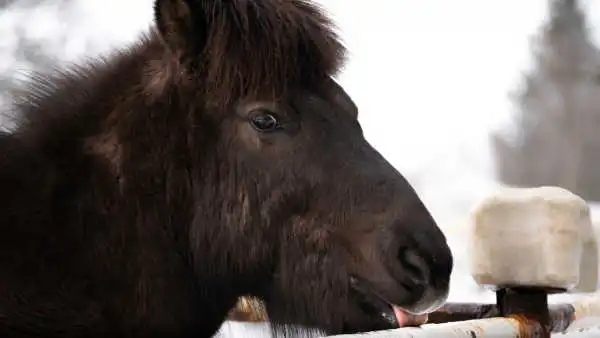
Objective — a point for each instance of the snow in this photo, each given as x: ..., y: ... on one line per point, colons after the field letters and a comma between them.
x: 431, y: 79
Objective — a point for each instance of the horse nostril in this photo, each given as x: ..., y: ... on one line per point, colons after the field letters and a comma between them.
x: 412, y: 265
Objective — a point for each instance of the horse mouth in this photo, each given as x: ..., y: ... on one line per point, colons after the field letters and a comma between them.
x: 372, y: 303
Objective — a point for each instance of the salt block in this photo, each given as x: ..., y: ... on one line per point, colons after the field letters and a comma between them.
x: 528, y: 237
x: 588, y: 267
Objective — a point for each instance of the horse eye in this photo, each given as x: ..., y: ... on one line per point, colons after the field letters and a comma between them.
x: 264, y: 121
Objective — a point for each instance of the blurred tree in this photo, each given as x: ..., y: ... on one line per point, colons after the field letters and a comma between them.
x: 557, y: 139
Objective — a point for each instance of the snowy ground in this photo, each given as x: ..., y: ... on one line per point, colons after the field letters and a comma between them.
x: 431, y: 78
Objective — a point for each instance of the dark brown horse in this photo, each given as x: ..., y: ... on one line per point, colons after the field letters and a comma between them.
x: 142, y: 194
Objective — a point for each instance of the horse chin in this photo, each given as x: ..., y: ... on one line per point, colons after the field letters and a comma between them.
x: 380, y: 314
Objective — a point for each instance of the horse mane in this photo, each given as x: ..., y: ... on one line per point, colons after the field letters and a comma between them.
x: 262, y: 48
x: 250, y: 49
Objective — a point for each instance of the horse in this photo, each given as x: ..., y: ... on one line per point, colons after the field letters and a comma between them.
x: 146, y: 190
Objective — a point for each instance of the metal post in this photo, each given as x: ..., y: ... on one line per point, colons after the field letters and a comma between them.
x: 525, y: 303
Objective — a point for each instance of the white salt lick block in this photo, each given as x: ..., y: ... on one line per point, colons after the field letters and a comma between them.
x: 528, y: 237
x: 588, y: 268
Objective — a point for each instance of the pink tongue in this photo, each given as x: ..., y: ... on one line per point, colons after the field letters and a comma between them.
x: 401, y: 316
x: 406, y: 319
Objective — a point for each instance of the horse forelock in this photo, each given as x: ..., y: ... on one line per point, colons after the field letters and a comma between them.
x: 262, y: 49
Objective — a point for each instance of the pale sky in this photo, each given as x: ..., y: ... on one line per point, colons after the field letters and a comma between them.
x: 433, y: 74
x: 432, y: 78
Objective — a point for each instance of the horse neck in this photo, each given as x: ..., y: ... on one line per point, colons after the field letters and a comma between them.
x: 88, y: 148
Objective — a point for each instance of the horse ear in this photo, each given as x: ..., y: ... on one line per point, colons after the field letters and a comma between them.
x: 183, y: 24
